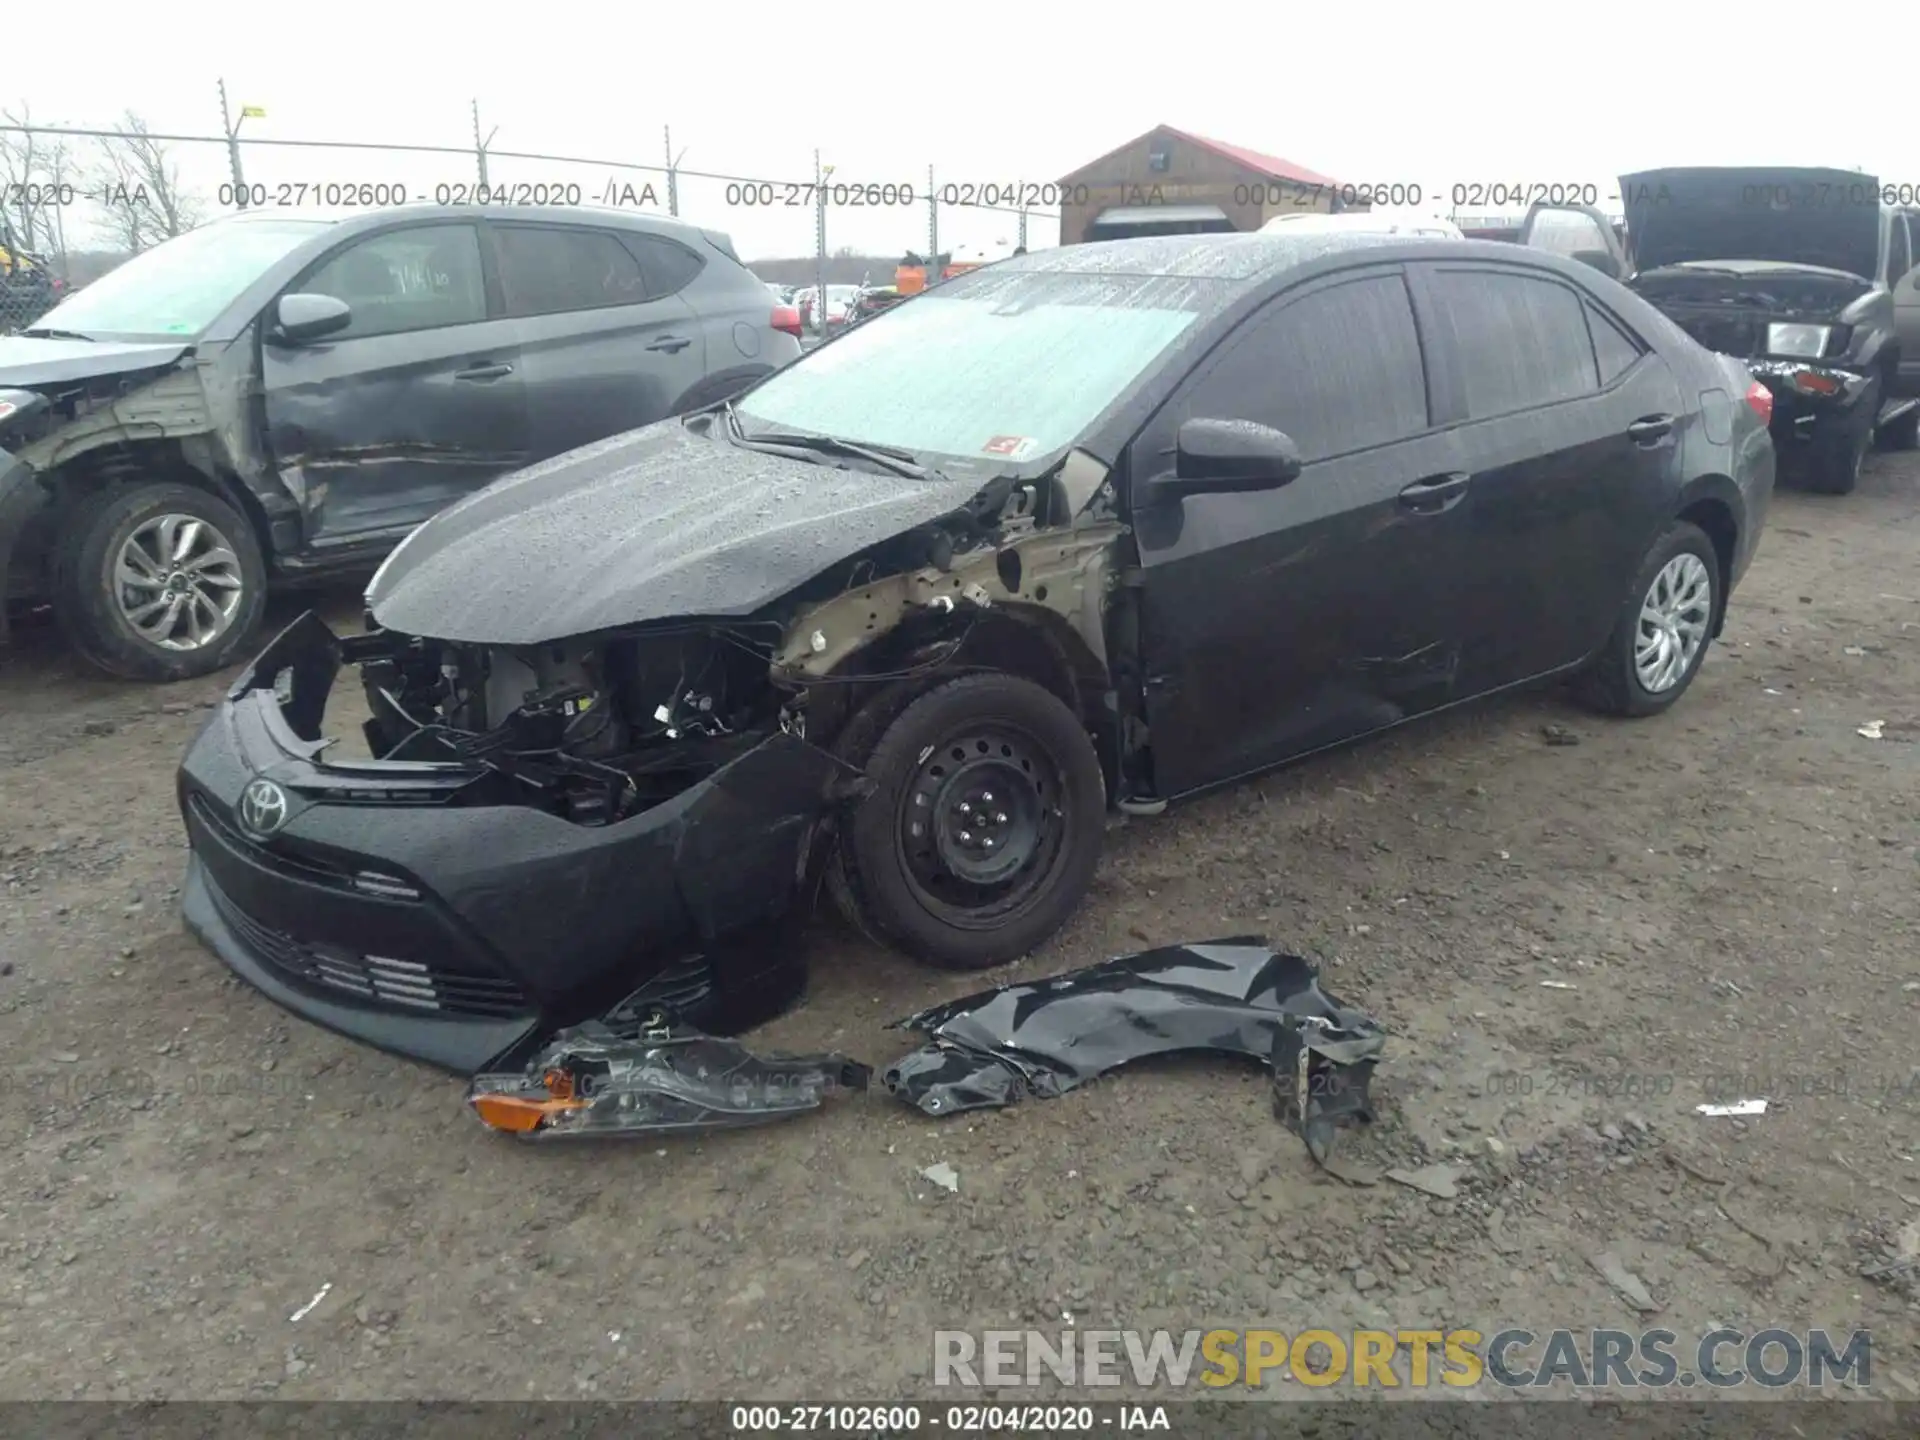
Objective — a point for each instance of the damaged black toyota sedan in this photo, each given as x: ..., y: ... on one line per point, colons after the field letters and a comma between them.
x: 1087, y: 531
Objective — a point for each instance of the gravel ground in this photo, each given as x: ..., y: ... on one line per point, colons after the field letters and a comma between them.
x: 1573, y: 938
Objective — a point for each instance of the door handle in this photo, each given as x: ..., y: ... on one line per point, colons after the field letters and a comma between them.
x: 1650, y: 428
x: 1435, y: 493
x: 672, y: 344
x: 484, y: 372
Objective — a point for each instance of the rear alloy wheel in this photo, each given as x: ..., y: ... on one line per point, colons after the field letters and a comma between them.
x: 981, y: 837
x: 1662, y: 633
x: 157, y: 582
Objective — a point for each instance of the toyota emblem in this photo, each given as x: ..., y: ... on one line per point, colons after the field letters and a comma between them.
x: 263, y: 807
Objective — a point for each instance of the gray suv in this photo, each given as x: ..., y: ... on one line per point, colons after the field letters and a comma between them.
x: 281, y: 396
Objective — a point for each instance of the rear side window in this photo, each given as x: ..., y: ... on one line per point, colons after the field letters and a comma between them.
x: 1338, y: 370
x: 546, y: 270
x: 669, y: 268
x: 1519, y: 341
x: 400, y: 280
x: 1612, y: 347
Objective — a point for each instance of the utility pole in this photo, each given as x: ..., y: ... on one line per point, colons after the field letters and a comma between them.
x: 673, y: 175
x: 933, y: 232
x: 480, y: 146
x: 820, y: 236
x: 1022, y: 241
x: 232, y: 132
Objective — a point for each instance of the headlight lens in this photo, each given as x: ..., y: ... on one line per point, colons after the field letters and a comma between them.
x: 1801, y: 342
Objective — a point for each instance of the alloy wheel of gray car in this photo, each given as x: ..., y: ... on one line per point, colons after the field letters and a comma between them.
x: 1674, y: 616
x: 178, y: 582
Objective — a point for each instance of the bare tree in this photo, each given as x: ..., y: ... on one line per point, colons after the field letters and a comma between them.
x: 138, y: 187
x: 36, y: 180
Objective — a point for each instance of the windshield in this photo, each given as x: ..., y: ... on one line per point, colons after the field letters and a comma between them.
x: 178, y: 287
x: 1001, y: 367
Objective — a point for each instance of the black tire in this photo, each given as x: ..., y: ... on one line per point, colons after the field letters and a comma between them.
x: 1612, y: 684
x: 908, y: 893
x: 1904, y: 433
x: 86, y: 599
x: 1834, y: 466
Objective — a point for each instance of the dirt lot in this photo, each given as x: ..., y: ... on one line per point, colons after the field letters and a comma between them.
x: 1724, y: 897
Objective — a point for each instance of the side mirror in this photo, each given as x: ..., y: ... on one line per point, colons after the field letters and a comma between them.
x: 1231, y: 456
x: 300, y: 318
x: 1601, y: 260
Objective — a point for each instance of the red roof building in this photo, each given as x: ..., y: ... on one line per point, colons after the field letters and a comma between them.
x: 1170, y: 181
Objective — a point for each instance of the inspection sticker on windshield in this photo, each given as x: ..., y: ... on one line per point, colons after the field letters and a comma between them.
x: 1014, y: 447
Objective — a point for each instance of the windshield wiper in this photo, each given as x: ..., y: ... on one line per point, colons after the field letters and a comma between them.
x: 42, y: 333
x: 887, y: 457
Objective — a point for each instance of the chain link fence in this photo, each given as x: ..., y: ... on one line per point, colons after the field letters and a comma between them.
x: 76, y: 200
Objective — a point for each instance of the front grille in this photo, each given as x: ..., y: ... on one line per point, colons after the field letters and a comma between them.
x: 380, y: 981
x: 1728, y: 336
x: 301, y: 864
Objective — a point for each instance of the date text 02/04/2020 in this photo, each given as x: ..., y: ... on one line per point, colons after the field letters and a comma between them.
x: 614, y: 193
x: 950, y: 1419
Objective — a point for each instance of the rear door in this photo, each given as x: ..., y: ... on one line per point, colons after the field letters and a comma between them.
x: 607, y: 344
x: 1579, y: 232
x: 1903, y: 276
x: 417, y: 402
x: 1570, y: 426
x: 1280, y: 621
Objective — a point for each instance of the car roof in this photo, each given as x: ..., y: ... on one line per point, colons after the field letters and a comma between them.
x: 373, y: 216
x: 1245, y: 260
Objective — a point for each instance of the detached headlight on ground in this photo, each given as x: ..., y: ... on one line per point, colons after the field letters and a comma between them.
x: 1802, y: 342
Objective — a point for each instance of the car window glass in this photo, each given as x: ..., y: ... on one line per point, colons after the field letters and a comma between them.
x: 545, y: 269
x: 415, y: 279
x: 1612, y: 346
x: 1566, y: 232
x: 669, y: 268
x: 1519, y: 341
x: 1338, y: 370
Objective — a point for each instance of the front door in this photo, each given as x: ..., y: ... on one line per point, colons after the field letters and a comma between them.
x: 606, y: 344
x: 417, y: 402
x: 1570, y: 427
x: 1281, y: 621
x: 1904, y: 277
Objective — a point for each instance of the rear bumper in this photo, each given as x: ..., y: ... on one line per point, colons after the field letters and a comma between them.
x: 393, y: 904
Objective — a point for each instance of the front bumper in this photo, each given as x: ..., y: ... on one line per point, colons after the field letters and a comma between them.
x: 1814, y: 403
x: 21, y: 499
x: 394, y: 904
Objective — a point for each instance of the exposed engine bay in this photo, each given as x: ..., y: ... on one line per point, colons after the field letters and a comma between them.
x: 603, y: 727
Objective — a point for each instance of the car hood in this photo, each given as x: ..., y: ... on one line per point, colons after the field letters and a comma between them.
x: 28, y: 362
x: 1825, y: 218
x: 661, y: 522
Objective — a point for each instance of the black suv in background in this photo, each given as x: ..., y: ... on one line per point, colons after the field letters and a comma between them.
x: 1808, y: 276
x: 281, y: 395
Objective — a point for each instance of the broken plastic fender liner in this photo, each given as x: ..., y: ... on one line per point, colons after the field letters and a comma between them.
x: 1232, y: 997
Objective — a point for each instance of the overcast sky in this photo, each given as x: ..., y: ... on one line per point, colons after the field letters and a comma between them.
x: 986, y: 93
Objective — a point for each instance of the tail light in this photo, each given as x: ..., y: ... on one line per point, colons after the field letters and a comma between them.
x: 786, y: 319
x: 1760, y: 400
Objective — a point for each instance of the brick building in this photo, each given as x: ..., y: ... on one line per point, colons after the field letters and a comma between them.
x: 1171, y: 182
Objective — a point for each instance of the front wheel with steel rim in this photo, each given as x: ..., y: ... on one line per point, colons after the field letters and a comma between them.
x: 1662, y: 633
x: 157, y: 582
x: 981, y: 836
